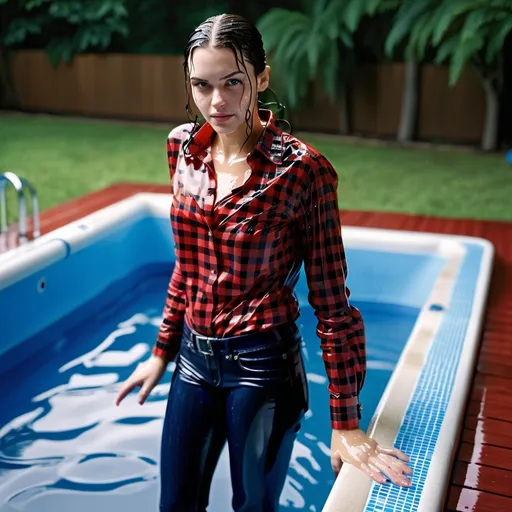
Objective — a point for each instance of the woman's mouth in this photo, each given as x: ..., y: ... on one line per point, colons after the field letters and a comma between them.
x: 221, y: 118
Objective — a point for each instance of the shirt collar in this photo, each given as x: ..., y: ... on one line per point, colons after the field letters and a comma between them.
x: 270, y: 144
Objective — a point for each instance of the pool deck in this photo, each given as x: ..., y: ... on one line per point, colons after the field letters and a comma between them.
x: 481, y: 479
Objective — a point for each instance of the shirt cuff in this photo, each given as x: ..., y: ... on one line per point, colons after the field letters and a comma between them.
x: 164, y: 354
x: 345, y: 412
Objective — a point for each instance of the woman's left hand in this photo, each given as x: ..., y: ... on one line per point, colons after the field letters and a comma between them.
x: 375, y: 461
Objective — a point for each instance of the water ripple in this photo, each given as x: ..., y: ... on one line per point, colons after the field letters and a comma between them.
x: 94, y: 473
x: 68, y: 448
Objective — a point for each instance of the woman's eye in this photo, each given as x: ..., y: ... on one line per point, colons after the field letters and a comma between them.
x: 234, y: 81
x: 200, y: 85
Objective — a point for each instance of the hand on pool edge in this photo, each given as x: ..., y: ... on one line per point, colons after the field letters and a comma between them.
x: 146, y: 375
x: 356, y: 448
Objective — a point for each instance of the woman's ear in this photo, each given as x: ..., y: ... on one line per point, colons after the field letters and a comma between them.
x: 264, y: 79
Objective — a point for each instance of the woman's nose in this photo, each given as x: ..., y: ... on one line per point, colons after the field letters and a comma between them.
x: 217, y: 98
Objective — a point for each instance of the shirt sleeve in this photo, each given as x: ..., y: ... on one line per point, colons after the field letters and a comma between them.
x: 340, y: 325
x: 169, y: 335
x: 171, y: 329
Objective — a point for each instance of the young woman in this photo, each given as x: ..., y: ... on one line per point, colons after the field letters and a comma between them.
x: 250, y: 205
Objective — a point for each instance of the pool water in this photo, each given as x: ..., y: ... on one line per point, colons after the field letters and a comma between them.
x: 65, y: 446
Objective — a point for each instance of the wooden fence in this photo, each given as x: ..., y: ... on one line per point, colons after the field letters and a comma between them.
x: 151, y: 88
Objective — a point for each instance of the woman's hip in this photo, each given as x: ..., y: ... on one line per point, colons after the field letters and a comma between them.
x: 265, y: 358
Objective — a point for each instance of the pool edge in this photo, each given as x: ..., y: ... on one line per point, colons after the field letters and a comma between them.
x: 436, y: 485
x: 352, y: 489
x: 474, y: 239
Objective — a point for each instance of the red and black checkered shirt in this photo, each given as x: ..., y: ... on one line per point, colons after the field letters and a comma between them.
x: 238, y: 260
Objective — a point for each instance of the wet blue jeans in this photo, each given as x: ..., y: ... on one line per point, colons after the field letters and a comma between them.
x: 250, y: 391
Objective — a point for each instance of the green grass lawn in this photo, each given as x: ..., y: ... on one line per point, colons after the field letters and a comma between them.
x: 65, y: 158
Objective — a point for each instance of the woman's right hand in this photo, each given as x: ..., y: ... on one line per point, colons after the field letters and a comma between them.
x: 146, y: 375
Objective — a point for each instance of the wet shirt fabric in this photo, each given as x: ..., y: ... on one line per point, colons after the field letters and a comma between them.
x: 238, y: 259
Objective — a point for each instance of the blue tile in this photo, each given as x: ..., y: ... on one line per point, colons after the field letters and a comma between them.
x: 423, y: 419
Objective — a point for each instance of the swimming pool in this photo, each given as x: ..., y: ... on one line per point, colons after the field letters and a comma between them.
x: 80, y: 307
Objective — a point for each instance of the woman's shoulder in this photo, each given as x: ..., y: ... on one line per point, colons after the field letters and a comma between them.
x: 180, y: 133
x: 305, y: 155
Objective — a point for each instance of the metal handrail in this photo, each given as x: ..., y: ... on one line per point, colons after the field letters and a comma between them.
x: 36, y: 231
x: 19, y: 184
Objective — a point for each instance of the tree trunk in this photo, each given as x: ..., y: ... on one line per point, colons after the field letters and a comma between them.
x: 408, y: 116
x: 344, y: 106
x: 8, y: 97
x: 492, y: 78
x: 492, y: 108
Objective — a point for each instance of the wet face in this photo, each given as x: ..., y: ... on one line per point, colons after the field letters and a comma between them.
x: 221, y: 88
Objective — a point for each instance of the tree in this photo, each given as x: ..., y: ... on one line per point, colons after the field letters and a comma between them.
x: 62, y: 27
x: 461, y: 32
x: 409, y: 110
x: 318, y: 43
x: 313, y: 44
x: 8, y: 97
x: 66, y: 27
x: 163, y: 26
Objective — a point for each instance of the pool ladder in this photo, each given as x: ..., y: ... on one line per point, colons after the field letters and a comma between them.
x: 19, y: 184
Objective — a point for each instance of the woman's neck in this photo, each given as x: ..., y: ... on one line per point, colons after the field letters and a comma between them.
x: 237, y: 144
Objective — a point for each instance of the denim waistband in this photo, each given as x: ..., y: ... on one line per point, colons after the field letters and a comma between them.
x: 282, y: 334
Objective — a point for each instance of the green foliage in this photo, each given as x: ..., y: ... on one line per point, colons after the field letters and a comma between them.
x: 149, y: 25
x: 459, y: 30
x: 154, y: 26
x: 316, y: 42
x: 285, y: 35
x: 405, y: 21
x: 307, y: 44
x: 163, y: 27
x: 355, y: 11
x: 19, y: 29
x: 66, y: 27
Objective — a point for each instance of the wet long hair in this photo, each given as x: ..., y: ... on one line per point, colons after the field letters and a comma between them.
x: 244, y: 39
